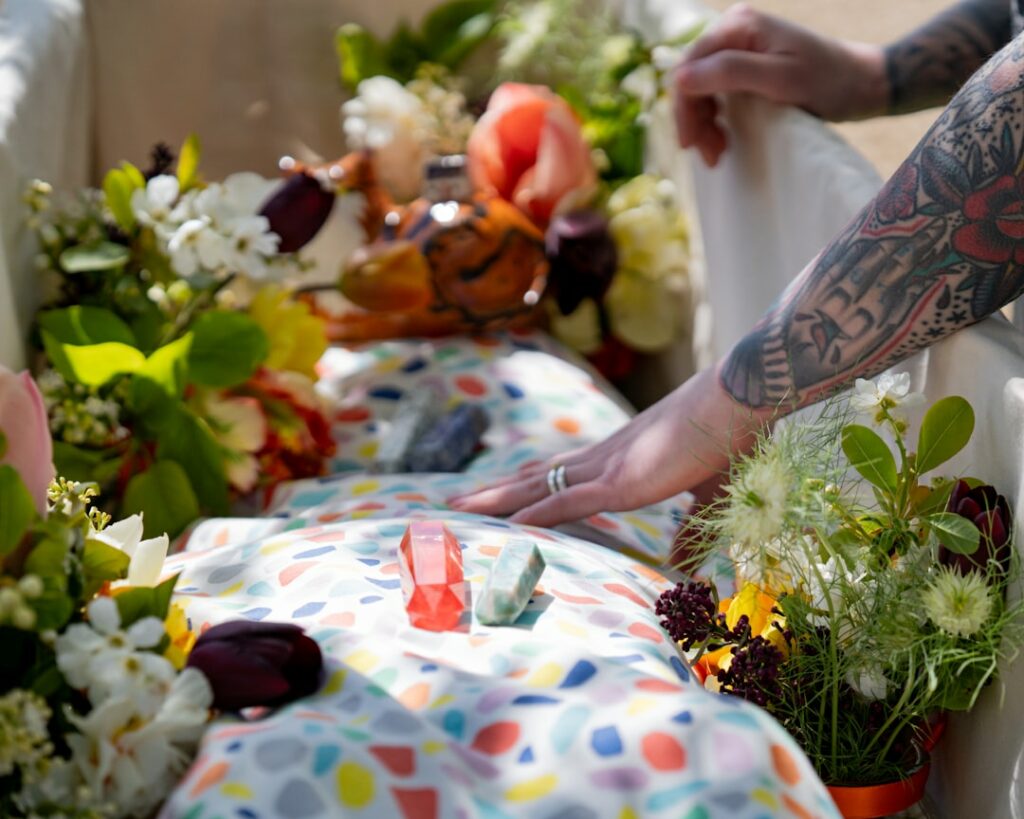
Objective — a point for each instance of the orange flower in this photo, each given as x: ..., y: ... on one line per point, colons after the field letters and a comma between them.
x: 528, y: 148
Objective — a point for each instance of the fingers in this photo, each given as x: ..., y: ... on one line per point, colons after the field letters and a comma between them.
x: 770, y: 75
x: 697, y: 127
x: 504, y: 497
x: 574, y: 503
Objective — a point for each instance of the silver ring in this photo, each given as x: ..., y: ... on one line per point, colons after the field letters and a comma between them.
x: 556, y: 479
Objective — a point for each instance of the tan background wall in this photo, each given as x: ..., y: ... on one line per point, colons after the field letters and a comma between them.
x: 884, y: 141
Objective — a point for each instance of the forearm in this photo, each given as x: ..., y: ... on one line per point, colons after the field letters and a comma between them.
x: 939, y: 248
x: 926, y: 67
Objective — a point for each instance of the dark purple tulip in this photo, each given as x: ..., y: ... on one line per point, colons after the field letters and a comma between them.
x: 249, y: 663
x: 583, y: 258
x: 297, y: 210
x: 989, y: 511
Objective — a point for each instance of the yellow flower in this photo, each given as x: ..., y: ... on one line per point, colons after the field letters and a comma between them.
x: 297, y: 338
x: 182, y: 638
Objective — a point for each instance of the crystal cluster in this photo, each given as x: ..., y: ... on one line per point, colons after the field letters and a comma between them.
x: 415, y: 414
x: 511, y: 582
x: 430, y: 568
x: 451, y: 441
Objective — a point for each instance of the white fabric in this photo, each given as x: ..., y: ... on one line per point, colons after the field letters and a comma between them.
x: 43, y: 134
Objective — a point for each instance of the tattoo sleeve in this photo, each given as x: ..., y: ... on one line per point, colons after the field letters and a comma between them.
x: 940, y: 247
x: 927, y: 67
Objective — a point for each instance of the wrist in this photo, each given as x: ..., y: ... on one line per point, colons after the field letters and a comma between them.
x: 868, y: 88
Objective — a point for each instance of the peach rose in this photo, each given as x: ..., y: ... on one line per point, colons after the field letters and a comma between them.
x: 528, y: 148
x: 26, y: 431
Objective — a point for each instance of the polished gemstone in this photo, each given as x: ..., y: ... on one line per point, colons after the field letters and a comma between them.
x: 451, y: 442
x: 433, y: 584
x: 415, y: 414
x: 510, y: 584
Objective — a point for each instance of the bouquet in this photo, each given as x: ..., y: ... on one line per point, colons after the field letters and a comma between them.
x: 104, y: 689
x: 558, y: 133
x: 177, y: 365
x: 869, y: 600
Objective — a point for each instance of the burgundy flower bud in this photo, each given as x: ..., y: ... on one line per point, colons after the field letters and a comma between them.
x: 249, y: 663
x: 989, y: 511
x: 583, y: 258
x: 297, y: 210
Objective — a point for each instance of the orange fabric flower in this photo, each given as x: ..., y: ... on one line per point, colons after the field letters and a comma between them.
x: 528, y: 148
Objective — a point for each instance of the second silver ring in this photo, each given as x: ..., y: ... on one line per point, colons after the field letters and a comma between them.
x: 556, y: 479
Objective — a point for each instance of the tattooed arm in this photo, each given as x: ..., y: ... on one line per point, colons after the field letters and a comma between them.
x: 927, y: 67
x: 749, y: 51
x: 940, y: 247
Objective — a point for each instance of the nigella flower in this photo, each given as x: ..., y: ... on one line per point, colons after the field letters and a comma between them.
x: 889, y: 395
x: 756, y: 509
x: 688, y: 613
x: 959, y: 604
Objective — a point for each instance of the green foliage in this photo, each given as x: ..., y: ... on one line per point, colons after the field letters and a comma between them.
x: 93, y: 258
x: 168, y: 367
x: 945, y: 430
x: 870, y: 456
x: 448, y: 36
x: 17, y: 509
x: 84, y: 324
x: 118, y: 186
x: 956, y: 533
x: 188, y: 162
x: 226, y: 349
x: 102, y: 563
x: 145, y: 601
x: 188, y: 441
x: 165, y: 497
x: 92, y: 364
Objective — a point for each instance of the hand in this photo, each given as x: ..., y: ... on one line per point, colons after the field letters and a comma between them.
x: 749, y: 51
x: 682, y: 441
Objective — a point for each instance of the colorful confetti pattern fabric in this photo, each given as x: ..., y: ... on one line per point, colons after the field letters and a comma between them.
x: 583, y: 708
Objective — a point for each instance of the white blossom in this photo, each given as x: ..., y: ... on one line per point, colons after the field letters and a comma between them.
x: 147, y: 556
x: 959, y: 604
x: 889, y: 394
x: 153, y: 204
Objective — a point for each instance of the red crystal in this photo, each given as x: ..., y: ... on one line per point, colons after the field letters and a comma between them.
x: 433, y: 584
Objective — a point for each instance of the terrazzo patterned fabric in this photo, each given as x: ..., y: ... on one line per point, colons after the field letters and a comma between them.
x: 582, y: 708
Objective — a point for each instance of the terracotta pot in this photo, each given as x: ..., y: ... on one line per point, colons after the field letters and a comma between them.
x: 872, y: 801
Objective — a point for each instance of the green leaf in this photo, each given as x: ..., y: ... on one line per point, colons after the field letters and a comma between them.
x: 954, y: 532
x: 102, y: 562
x: 53, y: 609
x: 135, y: 176
x: 47, y: 560
x: 118, y: 187
x: 187, y: 440
x: 92, y: 364
x: 76, y: 463
x: 938, y: 497
x: 84, y: 324
x: 164, y: 495
x: 168, y: 366
x: 144, y: 601
x: 870, y: 456
x: 99, y: 256
x: 451, y: 22
x: 404, y: 52
x: 469, y: 36
x: 360, y: 55
x: 17, y: 509
x: 188, y: 162
x: 3, y: 444
x: 945, y: 430
x: 227, y: 348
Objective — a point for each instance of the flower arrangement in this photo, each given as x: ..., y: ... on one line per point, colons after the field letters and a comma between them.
x: 868, y: 600
x: 104, y: 689
x: 178, y: 365
x: 562, y: 138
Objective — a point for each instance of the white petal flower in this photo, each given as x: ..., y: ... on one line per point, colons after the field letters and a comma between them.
x: 153, y: 204
x: 890, y: 394
x: 392, y: 121
x: 959, y: 604
x: 870, y: 683
x: 183, y: 246
x: 147, y: 556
